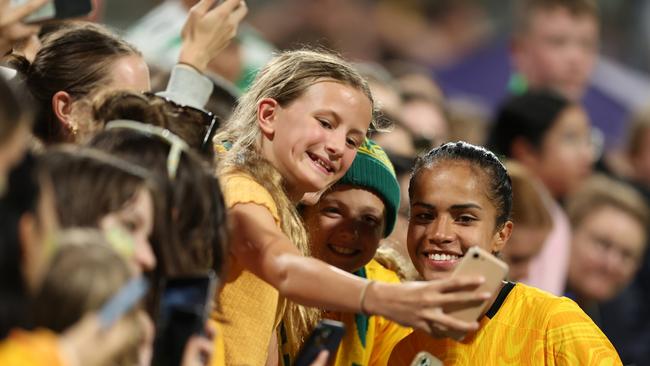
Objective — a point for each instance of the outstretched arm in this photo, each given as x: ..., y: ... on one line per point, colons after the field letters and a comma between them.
x: 261, y: 247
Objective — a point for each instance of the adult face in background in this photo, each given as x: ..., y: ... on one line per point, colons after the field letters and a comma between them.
x: 607, y: 249
x: 76, y: 62
x: 557, y: 49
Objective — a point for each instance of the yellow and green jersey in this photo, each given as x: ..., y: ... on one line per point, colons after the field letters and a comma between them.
x: 524, y: 326
x: 368, y: 340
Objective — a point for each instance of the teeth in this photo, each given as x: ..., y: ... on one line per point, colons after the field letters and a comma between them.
x: 322, y: 163
x: 443, y: 257
x: 342, y: 250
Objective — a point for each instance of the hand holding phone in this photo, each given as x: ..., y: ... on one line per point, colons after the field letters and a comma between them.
x: 477, y: 262
x: 326, y: 336
x: 184, y: 309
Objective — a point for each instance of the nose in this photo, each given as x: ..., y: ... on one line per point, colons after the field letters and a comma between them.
x: 335, y: 144
x: 441, y: 230
x: 614, y: 262
x: 144, y: 256
x: 349, y: 233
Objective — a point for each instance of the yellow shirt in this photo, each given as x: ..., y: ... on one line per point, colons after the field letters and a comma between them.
x: 528, y: 327
x: 369, y: 340
x: 248, y: 304
x: 37, y: 348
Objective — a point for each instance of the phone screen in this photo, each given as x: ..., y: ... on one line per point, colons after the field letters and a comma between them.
x: 326, y: 336
x: 184, y: 308
x: 186, y: 294
x: 57, y: 9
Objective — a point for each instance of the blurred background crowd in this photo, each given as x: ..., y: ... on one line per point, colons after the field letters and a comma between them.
x: 559, y: 89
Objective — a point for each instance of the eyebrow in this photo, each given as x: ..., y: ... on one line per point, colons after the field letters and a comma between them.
x: 364, y: 209
x: 462, y: 206
x: 338, y: 119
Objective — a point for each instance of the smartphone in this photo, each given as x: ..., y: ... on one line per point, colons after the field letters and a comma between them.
x: 58, y: 9
x: 185, y: 306
x: 326, y: 336
x: 123, y: 301
x: 478, y: 262
x: 425, y: 358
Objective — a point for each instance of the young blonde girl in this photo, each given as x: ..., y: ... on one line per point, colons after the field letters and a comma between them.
x: 296, y: 131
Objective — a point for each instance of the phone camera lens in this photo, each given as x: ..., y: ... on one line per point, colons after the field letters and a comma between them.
x: 475, y: 256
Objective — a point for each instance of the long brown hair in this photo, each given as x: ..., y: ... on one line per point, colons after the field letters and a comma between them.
x: 76, y: 59
x: 285, y: 79
x: 197, y: 235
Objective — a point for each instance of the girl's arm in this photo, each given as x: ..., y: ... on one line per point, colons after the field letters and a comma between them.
x: 262, y: 248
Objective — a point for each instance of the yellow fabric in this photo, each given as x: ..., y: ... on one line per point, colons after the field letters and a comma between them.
x: 531, y: 327
x: 248, y: 304
x: 218, y: 353
x: 382, y: 334
x: 30, y: 349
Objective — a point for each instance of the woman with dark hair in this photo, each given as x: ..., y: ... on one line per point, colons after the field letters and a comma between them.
x: 93, y: 189
x: 82, y: 59
x: 27, y: 228
x: 461, y: 196
x: 73, y: 63
x: 197, y: 231
x: 551, y: 137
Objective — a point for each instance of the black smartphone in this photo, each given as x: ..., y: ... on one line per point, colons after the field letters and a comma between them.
x: 326, y: 336
x: 58, y: 9
x: 185, y: 306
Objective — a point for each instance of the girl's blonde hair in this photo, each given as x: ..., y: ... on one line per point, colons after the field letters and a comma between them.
x: 284, y: 79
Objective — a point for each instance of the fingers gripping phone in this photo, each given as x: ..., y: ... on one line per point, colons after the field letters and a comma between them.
x: 58, y: 9
x: 326, y: 336
x: 185, y: 306
x: 478, y: 262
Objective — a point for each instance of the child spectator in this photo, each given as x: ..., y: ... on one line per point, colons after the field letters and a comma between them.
x: 345, y: 228
x: 296, y: 131
x: 555, y: 45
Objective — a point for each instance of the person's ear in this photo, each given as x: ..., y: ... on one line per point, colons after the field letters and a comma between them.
x: 62, y: 106
x: 267, y: 110
x: 501, y: 237
x: 525, y: 153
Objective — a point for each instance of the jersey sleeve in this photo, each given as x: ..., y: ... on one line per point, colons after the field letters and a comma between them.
x: 574, y: 339
x: 239, y: 188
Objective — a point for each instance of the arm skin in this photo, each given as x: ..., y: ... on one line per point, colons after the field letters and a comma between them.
x: 261, y: 247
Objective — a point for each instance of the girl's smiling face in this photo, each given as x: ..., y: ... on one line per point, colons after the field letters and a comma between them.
x: 313, y: 140
x: 345, y: 226
x: 450, y: 213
